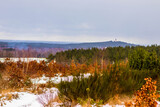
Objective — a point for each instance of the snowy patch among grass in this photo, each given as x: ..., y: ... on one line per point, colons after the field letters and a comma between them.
x: 30, y: 100
x: 23, y: 59
x: 57, y: 79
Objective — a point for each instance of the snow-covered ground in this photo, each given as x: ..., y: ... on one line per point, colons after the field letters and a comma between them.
x: 24, y: 59
x: 27, y: 99
x: 31, y: 100
x: 56, y: 79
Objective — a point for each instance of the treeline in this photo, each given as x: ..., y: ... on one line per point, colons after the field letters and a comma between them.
x: 92, y: 55
x: 106, y: 55
x: 37, y: 53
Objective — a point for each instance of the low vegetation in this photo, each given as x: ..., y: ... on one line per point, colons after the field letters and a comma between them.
x: 118, y: 79
x: 146, y: 96
x: 105, y: 85
x: 114, y: 72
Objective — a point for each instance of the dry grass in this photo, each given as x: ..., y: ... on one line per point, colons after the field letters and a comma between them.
x: 47, y: 99
x: 34, y: 69
x: 120, y: 99
x: 7, y: 97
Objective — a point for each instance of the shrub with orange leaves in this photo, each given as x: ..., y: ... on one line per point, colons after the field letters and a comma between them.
x: 15, y: 75
x: 146, y: 96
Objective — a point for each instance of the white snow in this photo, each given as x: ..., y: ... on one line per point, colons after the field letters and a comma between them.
x: 107, y: 105
x: 24, y: 99
x: 57, y: 79
x: 31, y: 100
x: 24, y: 59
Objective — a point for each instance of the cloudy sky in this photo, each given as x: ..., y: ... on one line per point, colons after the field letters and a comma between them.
x: 134, y: 21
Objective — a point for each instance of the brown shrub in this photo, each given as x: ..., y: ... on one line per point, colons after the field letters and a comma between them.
x: 146, y: 96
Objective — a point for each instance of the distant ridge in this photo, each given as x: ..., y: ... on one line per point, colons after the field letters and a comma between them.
x: 63, y: 45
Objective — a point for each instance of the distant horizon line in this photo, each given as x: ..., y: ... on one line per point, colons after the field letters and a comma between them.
x: 64, y: 42
x: 70, y: 42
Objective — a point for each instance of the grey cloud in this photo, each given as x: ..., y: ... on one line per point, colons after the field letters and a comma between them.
x: 129, y: 20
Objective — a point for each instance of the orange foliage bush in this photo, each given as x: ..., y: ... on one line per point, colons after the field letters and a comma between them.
x: 146, y: 96
x: 34, y: 69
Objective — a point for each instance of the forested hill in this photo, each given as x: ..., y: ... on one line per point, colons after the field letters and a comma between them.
x: 97, y: 45
x: 32, y: 44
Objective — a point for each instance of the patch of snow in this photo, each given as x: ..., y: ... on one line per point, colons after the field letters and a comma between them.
x: 57, y: 79
x: 107, y: 105
x: 31, y: 100
x: 24, y: 59
x: 25, y: 99
x: 78, y: 105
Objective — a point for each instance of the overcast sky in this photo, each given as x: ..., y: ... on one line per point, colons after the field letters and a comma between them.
x: 134, y: 21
